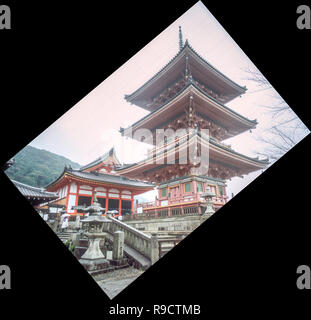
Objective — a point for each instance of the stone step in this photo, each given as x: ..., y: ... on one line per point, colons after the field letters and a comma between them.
x: 64, y: 236
x: 167, y: 246
x: 134, y: 254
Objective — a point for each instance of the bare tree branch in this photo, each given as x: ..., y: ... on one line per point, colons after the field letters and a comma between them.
x: 286, y: 129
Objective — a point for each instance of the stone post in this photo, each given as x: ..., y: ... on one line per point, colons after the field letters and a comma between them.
x: 77, y: 222
x: 75, y: 237
x: 118, y: 245
x: 154, y: 249
x: 55, y: 225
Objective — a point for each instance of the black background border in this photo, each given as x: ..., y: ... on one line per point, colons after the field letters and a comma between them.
x: 246, y: 255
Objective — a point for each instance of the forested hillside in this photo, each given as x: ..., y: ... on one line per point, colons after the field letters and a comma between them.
x: 37, y: 167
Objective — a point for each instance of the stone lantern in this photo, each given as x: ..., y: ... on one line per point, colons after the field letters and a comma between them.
x: 208, y: 196
x: 93, y: 259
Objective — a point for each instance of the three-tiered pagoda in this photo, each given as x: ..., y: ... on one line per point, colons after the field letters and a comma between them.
x: 189, y: 93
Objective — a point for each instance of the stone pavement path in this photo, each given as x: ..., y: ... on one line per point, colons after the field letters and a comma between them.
x: 114, y: 282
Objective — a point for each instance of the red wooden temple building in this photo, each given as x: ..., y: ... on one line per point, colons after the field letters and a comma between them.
x: 75, y: 188
x: 188, y: 93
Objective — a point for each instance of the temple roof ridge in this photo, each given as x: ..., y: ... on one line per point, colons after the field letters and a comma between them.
x: 186, y: 46
x: 111, y: 152
x: 101, y: 177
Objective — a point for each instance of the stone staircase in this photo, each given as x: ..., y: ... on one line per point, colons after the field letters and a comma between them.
x: 64, y: 236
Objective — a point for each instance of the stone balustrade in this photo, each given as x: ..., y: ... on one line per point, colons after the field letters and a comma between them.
x: 169, y: 224
x: 144, y: 244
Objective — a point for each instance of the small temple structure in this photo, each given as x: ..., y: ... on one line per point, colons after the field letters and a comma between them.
x: 75, y: 188
x: 36, y: 196
x: 188, y: 93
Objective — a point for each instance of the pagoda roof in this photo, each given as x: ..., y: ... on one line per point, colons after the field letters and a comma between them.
x: 200, y: 69
x: 218, y: 152
x: 213, y: 110
x: 104, y: 159
x: 99, y: 178
x: 31, y: 192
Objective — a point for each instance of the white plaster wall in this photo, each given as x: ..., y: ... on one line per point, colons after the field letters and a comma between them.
x: 103, y: 194
x: 85, y: 187
x: 85, y: 192
x: 126, y: 192
x: 100, y: 189
x: 114, y: 191
x: 71, y: 202
x: 73, y: 188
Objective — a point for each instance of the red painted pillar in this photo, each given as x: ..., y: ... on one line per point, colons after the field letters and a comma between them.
x: 67, y: 199
x: 107, y: 198
x: 92, y: 195
x: 120, y: 201
x: 77, y: 197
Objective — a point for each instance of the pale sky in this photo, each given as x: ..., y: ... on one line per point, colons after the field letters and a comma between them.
x: 91, y: 127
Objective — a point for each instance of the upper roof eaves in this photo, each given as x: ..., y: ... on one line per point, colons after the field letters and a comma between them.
x: 252, y: 123
x: 129, y: 97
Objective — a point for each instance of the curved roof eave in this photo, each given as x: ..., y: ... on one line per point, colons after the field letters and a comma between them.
x: 264, y: 161
x: 129, y: 97
x: 256, y: 160
x: 28, y: 190
x: 252, y: 123
x: 92, y: 178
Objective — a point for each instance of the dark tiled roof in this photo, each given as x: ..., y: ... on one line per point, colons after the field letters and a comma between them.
x: 186, y: 46
x: 206, y: 138
x: 33, y: 192
x: 109, y: 178
x: 252, y: 123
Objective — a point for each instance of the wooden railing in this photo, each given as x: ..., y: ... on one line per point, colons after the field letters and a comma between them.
x: 165, y: 213
x: 182, y: 199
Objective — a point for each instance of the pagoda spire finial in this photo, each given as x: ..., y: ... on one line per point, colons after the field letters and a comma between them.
x: 180, y: 39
